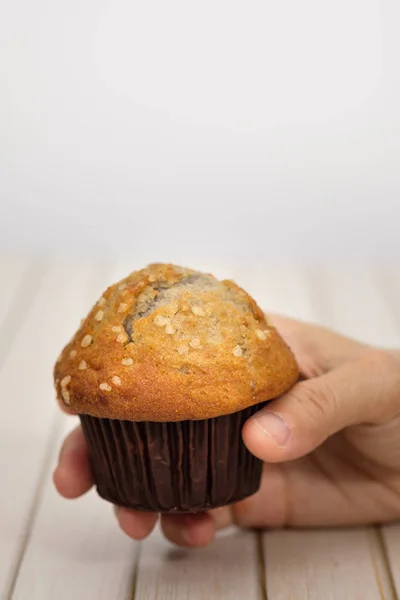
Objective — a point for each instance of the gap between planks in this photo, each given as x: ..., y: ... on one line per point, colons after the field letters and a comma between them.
x: 47, y: 462
x: 364, y: 304
x: 261, y: 566
x: 76, y: 548
x: 389, y: 287
x: 329, y: 297
x: 26, y: 425
x: 384, y: 567
x: 227, y: 568
x: 136, y: 572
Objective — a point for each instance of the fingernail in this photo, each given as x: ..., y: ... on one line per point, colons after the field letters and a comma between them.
x: 274, y: 426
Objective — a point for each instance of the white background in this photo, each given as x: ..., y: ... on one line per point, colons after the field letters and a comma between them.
x: 195, y: 131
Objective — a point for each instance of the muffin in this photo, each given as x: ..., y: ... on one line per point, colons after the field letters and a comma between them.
x: 163, y: 373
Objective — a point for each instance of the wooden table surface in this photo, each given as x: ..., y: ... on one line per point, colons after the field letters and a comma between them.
x: 54, y: 549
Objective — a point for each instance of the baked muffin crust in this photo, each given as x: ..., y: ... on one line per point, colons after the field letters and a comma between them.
x: 170, y: 344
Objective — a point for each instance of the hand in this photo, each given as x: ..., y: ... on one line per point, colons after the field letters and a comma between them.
x: 330, y: 447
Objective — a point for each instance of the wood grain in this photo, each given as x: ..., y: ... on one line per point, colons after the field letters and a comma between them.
x: 11, y: 275
x: 328, y: 565
x: 365, y: 303
x: 76, y: 547
x: 343, y: 564
x: 280, y: 288
x: 51, y: 548
x: 226, y: 569
x: 28, y: 406
x: 75, y: 550
x: 14, y: 273
x: 391, y: 540
x: 353, y: 302
x: 389, y: 284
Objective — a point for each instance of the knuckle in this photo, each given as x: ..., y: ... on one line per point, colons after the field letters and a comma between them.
x: 384, y: 361
x: 383, y: 368
x: 314, y: 362
x: 317, y: 400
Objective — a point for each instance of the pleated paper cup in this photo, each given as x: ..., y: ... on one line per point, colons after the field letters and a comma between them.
x: 174, y: 467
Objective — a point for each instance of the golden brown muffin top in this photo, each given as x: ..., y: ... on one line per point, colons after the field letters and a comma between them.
x: 170, y: 344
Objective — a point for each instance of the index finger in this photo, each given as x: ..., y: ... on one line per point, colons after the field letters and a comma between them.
x: 316, y: 348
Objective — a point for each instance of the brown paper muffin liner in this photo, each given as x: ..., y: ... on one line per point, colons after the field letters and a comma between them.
x: 181, y: 467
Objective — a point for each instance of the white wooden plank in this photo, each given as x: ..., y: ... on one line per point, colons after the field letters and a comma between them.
x: 227, y: 569
x: 28, y: 407
x: 13, y: 273
x: 367, y: 306
x: 333, y: 565
x: 389, y: 282
x: 177, y: 574
x: 328, y: 564
x: 387, y: 279
x: 76, y: 550
x: 391, y: 539
x: 280, y: 288
x: 351, y: 300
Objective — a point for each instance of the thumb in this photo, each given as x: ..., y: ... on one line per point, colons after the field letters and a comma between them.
x: 365, y: 390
